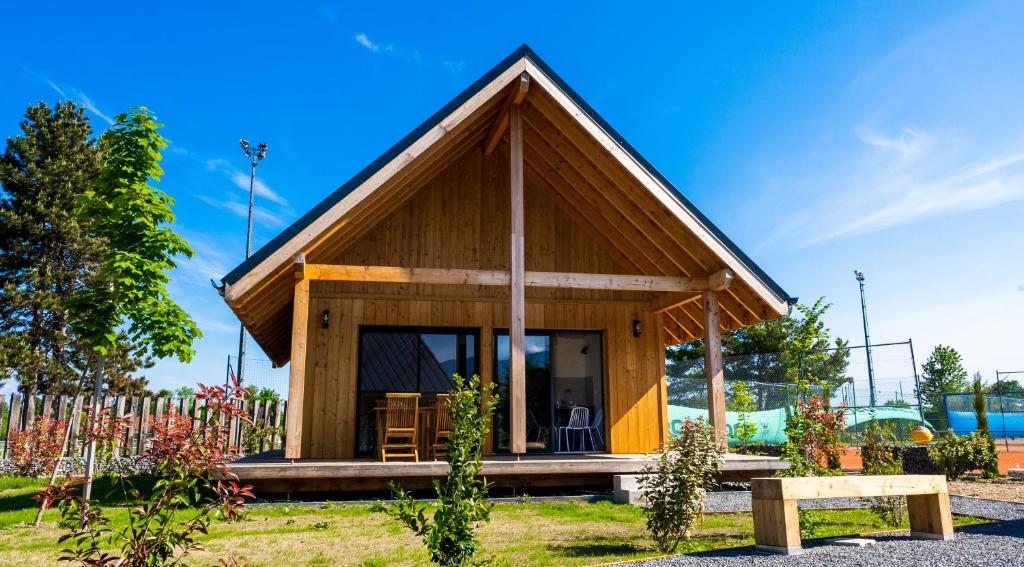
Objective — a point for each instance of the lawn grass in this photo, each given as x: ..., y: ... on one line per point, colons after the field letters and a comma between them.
x: 529, y: 533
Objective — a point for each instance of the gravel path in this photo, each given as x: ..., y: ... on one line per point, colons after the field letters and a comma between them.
x: 986, y: 545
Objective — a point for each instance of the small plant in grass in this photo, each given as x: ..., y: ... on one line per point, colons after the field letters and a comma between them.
x: 461, y: 497
x: 35, y: 450
x: 957, y: 455
x: 811, y: 521
x: 743, y: 403
x: 675, y: 484
x: 881, y: 457
x: 162, y: 525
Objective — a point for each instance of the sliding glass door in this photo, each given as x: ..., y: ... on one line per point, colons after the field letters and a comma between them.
x: 563, y: 376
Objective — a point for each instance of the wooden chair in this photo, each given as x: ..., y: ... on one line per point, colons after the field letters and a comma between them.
x: 442, y: 425
x: 401, y: 427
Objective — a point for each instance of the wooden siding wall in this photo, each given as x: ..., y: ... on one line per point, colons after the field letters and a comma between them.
x: 634, y: 366
x: 460, y: 220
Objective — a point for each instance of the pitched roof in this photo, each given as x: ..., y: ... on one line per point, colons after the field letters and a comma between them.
x: 276, y: 254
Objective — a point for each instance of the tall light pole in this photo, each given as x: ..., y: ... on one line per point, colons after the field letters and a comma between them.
x: 255, y: 155
x: 867, y: 338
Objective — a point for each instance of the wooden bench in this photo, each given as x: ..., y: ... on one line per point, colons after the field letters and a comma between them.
x: 777, y: 526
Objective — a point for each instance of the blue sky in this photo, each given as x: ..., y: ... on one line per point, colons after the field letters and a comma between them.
x: 821, y: 137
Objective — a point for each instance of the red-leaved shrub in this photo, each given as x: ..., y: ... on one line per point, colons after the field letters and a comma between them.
x: 163, y: 524
x: 35, y: 450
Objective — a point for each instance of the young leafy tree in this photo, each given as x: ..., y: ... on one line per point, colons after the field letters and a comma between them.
x: 47, y: 251
x: 462, y: 496
x: 943, y: 373
x: 129, y: 289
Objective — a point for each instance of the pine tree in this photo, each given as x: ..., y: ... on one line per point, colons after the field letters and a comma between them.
x: 46, y: 252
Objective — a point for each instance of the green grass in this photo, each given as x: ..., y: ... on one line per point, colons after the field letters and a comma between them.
x: 533, y: 533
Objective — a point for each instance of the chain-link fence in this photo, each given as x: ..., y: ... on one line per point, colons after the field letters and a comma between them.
x: 261, y: 374
x: 1005, y: 415
x: 771, y: 384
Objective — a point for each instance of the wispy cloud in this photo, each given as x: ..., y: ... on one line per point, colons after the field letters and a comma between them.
x: 900, y: 179
x: 361, y: 39
x: 240, y: 209
x: 907, y: 144
x: 68, y: 92
x: 396, y: 51
x: 241, y: 180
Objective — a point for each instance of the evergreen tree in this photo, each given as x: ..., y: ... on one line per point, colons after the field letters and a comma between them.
x: 46, y: 251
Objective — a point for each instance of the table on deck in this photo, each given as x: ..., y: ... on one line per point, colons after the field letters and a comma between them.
x: 424, y: 433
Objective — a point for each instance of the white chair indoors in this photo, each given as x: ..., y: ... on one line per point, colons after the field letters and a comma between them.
x: 579, y: 419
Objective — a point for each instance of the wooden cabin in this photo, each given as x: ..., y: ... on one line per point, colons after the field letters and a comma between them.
x: 516, y: 235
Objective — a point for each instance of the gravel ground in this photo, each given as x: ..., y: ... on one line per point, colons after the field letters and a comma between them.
x: 986, y: 545
x: 995, y: 489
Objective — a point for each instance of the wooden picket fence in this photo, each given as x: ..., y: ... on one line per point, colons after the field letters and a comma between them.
x: 18, y: 414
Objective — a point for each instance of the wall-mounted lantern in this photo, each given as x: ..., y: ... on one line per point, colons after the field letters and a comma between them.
x: 325, y: 318
x: 636, y: 327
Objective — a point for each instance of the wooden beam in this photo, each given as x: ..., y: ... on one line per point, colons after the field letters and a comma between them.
x: 458, y: 276
x: 713, y: 369
x: 672, y: 300
x: 389, y: 274
x: 716, y: 281
x: 517, y: 295
x: 297, y: 371
x: 519, y: 89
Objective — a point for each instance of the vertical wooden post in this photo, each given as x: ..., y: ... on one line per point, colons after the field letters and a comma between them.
x: 143, y: 426
x: 517, y: 297
x: 297, y: 374
x: 713, y: 370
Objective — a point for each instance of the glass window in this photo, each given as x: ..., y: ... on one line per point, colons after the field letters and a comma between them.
x: 407, y: 360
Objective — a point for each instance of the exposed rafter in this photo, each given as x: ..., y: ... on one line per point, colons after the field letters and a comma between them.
x: 516, y: 96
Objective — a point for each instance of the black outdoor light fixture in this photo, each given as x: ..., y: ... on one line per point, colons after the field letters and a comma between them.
x: 636, y: 327
x: 325, y: 318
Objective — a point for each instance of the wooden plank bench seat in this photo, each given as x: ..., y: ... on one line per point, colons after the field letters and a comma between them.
x: 774, y: 504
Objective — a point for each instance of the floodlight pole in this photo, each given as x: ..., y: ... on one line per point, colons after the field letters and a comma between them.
x: 867, y: 338
x: 255, y: 154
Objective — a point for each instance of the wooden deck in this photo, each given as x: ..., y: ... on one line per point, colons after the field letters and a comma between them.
x: 272, y: 472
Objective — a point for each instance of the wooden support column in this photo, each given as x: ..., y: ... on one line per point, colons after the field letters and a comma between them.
x: 297, y: 371
x: 713, y: 369
x: 517, y: 296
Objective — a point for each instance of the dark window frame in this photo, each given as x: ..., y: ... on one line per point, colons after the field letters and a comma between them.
x: 461, y: 355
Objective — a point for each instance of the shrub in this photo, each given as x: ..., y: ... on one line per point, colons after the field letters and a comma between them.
x: 462, y: 496
x: 743, y: 403
x: 956, y: 455
x: 813, y: 434
x: 675, y: 484
x: 163, y: 524
x: 991, y: 469
x: 35, y: 450
x: 881, y: 456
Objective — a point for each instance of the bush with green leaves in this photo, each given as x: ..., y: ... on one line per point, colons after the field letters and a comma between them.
x: 957, y: 455
x: 462, y: 496
x: 743, y: 403
x: 881, y: 456
x: 675, y: 483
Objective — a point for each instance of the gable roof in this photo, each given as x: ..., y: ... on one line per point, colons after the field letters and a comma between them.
x: 278, y: 252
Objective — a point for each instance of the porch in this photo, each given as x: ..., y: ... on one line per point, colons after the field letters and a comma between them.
x: 272, y: 472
